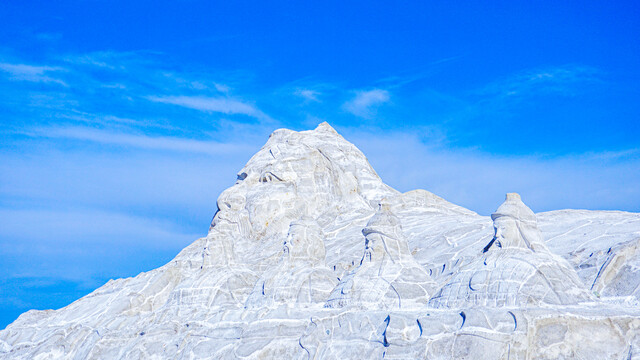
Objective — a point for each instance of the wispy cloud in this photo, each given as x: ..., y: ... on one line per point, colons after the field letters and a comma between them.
x: 212, y: 104
x: 164, y: 143
x: 409, y: 76
x: 113, y: 122
x: 112, y: 60
x: 365, y: 103
x: 561, y: 80
x: 50, y: 37
x: 308, y: 94
x: 174, y: 185
x: 193, y: 82
x: 73, y: 226
x: 81, y: 239
x: 32, y: 73
x: 614, y: 155
x: 97, y: 60
x: 222, y: 88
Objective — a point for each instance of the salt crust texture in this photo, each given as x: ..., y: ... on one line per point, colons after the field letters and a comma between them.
x: 312, y: 256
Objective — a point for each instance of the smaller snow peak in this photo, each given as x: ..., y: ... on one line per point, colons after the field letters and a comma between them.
x: 513, y: 197
x: 518, y: 271
x: 516, y: 226
x: 515, y: 208
x: 325, y: 127
x: 280, y: 135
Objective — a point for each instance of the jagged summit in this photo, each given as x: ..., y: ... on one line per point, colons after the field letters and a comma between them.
x: 315, y: 174
x: 325, y: 127
x: 311, y: 256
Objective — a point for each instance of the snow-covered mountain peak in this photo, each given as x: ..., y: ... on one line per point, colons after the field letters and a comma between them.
x: 310, y: 255
x: 315, y: 174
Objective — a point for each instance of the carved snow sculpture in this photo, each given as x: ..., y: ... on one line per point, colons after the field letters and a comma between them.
x: 388, y: 277
x: 601, y: 246
x: 302, y: 277
x: 315, y: 174
x: 220, y: 287
x: 216, y: 276
x: 310, y: 185
x: 442, y: 236
x: 516, y: 269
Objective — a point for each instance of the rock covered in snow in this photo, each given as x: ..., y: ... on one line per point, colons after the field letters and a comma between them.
x: 310, y: 256
x: 516, y: 270
x: 301, y: 278
x: 388, y: 277
x: 601, y: 245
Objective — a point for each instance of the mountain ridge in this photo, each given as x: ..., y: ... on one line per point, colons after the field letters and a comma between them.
x: 308, y: 207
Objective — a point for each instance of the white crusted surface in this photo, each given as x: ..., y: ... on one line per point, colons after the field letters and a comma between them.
x: 311, y: 255
x: 601, y: 245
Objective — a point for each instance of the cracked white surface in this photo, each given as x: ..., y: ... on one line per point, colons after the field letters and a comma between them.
x: 311, y: 255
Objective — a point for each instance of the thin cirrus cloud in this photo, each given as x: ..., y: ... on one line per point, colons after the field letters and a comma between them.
x: 162, y: 143
x: 213, y: 104
x: 308, y: 94
x: 560, y: 80
x: 84, y: 243
x: 365, y: 103
x: 32, y: 73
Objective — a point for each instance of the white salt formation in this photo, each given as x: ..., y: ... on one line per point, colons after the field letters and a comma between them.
x: 388, y: 277
x: 301, y: 278
x: 517, y: 269
x: 312, y: 256
x: 601, y: 245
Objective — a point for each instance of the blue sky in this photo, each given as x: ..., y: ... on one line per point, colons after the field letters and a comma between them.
x: 121, y: 122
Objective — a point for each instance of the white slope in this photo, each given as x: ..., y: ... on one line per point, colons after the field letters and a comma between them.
x: 441, y: 236
x: 311, y: 255
x: 601, y: 245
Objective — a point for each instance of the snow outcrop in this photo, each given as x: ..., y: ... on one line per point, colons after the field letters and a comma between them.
x: 310, y: 256
x: 302, y: 277
x: 388, y: 277
x: 516, y: 270
x: 601, y: 245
